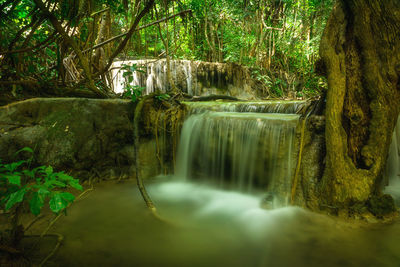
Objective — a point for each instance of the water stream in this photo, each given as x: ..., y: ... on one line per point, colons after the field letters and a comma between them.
x: 272, y: 106
x: 227, y: 162
x: 153, y: 74
x: 239, y: 150
x: 393, y: 166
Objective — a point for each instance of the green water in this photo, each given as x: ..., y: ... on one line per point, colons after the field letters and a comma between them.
x: 111, y: 227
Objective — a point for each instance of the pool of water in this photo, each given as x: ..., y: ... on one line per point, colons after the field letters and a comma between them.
x: 211, y: 227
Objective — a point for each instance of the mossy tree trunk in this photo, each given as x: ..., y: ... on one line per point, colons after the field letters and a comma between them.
x: 360, y: 49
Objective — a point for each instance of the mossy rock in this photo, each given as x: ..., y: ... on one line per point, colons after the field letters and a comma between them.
x: 381, y: 205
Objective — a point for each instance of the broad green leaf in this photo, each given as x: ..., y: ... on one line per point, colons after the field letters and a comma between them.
x: 64, y: 177
x: 67, y: 196
x: 43, y: 191
x: 57, y: 203
x: 127, y: 73
x: 27, y: 149
x: 15, y: 197
x: 54, y: 183
x: 13, y: 179
x: 36, y: 203
x: 75, y: 184
x: 29, y: 173
x: 13, y: 166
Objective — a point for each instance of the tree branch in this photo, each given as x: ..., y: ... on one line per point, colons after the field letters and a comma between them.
x: 83, y: 61
x: 129, y: 34
x: 138, y: 29
x: 39, y: 45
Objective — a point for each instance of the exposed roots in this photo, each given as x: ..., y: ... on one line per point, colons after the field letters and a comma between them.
x: 170, y: 119
x: 60, y: 239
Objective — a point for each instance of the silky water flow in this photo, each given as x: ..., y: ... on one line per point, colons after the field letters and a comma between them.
x: 227, y: 162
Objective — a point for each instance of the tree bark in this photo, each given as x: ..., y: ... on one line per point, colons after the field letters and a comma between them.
x: 360, y: 50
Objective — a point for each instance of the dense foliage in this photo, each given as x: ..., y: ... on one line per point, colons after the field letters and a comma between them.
x: 46, y: 47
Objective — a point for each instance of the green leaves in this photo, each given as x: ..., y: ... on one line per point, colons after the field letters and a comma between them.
x: 15, y: 198
x: 60, y: 201
x: 13, y: 179
x: 133, y: 91
x: 27, y: 149
x: 162, y: 97
x: 35, y: 186
x: 36, y: 203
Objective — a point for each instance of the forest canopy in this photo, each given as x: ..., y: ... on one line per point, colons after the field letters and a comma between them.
x: 66, y: 47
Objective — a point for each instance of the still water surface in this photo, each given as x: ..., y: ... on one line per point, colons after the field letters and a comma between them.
x: 210, y: 227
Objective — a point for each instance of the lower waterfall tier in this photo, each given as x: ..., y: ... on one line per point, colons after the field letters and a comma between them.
x: 239, y: 150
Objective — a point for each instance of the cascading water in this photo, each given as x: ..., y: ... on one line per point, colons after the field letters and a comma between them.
x: 240, y: 150
x: 287, y: 107
x: 153, y: 74
x: 393, y: 165
x: 192, y: 77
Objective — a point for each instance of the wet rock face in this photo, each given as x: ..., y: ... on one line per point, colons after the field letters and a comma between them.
x: 312, y: 163
x: 195, y: 78
x: 91, y: 138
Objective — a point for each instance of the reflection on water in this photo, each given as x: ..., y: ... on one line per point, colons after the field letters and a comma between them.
x: 112, y: 227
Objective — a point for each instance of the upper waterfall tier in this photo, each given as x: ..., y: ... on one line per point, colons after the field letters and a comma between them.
x: 192, y: 77
x: 274, y: 106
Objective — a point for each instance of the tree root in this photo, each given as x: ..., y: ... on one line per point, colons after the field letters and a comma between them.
x: 37, y: 218
x: 60, y: 239
x: 149, y: 203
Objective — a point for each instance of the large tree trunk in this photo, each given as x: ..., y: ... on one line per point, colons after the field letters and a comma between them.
x: 360, y: 49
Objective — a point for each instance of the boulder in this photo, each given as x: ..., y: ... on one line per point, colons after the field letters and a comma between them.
x: 92, y: 138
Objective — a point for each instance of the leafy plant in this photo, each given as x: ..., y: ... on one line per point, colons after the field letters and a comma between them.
x: 162, y: 97
x: 131, y: 91
x: 19, y: 184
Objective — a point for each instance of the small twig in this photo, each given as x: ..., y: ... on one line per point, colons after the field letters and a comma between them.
x: 100, y: 11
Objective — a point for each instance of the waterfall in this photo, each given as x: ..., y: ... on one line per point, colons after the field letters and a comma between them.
x: 393, y: 165
x: 273, y: 106
x: 239, y: 150
x: 191, y: 77
x: 153, y: 75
